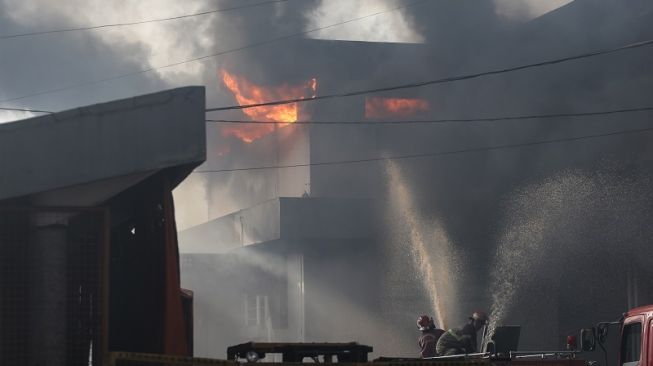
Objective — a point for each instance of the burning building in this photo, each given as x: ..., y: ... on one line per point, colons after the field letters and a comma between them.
x: 514, y: 227
x: 284, y: 250
x: 88, y: 242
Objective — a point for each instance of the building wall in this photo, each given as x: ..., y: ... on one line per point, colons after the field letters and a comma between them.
x: 246, y: 295
x: 102, y: 141
x: 233, y: 191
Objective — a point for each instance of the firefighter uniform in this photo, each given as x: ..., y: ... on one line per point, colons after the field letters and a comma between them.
x: 427, y: 342
x: 462, y: 341
x: 457, y: 341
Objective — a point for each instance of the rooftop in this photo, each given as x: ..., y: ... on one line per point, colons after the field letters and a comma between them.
x: 85, y: 155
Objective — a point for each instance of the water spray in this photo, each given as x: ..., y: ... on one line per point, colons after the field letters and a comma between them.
x: 555, y: 216
x: 402, y: 200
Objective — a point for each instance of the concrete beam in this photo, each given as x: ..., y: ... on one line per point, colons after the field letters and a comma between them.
x: 103, y: 141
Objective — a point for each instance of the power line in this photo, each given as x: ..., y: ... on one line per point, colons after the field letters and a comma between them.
x: 64, y: 30
x: 435, y: 121
x: 438, y: 81
x: 253, y: 45
x: 395, y: 122
x: 25, y: 110
x: 435, y: 154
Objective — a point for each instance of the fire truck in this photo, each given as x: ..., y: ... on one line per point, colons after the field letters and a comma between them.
x: 635, y: 329
x: 635, y: 348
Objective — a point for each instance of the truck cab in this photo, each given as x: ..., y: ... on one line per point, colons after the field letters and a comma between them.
x: 636, y: 347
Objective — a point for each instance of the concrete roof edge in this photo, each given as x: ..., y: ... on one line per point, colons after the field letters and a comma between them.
x: 136, y: 101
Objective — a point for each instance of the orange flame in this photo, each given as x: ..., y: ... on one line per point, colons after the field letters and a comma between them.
x: 379, y: 107
x: 247, y: 92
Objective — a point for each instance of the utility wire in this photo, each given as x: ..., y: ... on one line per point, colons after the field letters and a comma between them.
x: 435, y: 154
x: 25, y: 110
x: 436, y: 121
x: 253, y: 45
x: 64, y: 30
x: 439, y: 81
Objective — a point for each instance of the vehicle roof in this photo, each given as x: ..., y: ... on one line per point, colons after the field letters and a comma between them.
x: 647, y: 309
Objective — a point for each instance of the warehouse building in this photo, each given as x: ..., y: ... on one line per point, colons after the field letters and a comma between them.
x: 88, y: 242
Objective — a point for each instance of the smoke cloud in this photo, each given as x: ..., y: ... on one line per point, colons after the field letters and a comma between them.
x: 395, y: 26
x: 8, y: 116
x: 526, y: 10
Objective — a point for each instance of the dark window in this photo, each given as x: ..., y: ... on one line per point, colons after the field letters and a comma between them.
x: 631, y: 344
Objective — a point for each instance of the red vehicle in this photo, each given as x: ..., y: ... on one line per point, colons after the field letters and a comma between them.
x: 635, y: 337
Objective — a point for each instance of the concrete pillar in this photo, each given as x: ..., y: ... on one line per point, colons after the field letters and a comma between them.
x: 47, y: 296
x: 296, y: 312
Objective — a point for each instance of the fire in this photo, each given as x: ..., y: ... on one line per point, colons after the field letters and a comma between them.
x: 379, y: 107
x: 247, y: 92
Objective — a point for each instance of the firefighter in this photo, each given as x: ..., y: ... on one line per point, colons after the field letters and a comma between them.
x: 429, y: 338
x: 463, y: 340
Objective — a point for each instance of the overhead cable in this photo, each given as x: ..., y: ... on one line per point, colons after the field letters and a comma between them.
x: 200, y: 58
x: 439, y: 81
x: 438, y: 121
x: 436, y: 154
x: 65, y: 30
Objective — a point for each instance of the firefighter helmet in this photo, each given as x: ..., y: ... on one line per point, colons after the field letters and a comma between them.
x: 424, y: 322
x: 479, y: 316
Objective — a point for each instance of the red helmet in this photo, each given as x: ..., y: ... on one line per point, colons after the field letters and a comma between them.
x: 480, y: 316
x: 424, y: 322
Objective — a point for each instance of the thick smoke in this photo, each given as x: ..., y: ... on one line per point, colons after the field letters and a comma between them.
x: 393, y: 26
x: 478, y: 39
x: 33, y: 64
x: 527, y: 9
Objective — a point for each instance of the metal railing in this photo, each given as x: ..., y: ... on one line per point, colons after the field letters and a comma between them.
x: 543, y: 354
x: 467, y: 356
